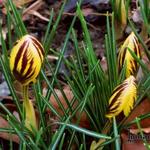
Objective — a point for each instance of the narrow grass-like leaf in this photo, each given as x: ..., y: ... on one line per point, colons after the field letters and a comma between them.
x: 142, y: 134
x: 54, y: 28
x: 144, y: 8
x: 4, y: 51
x: 9, y: 31
x: 54, y: 144
x: 55, y: 94
x: 18, y: 20
x: 78, y: 53
x: 37, y: 90
x: 50, y: 107
x: 11, y: 88
x: 85, y: 99
x: 19, y: 133
x: 117, y: 141
x: 62, y: 142
x: 81, y: 147
x: 111, y: 54
x: 60, y: 57
x: 144, y: 67
x: 48, y: 27
x: 85, y: 131
x: 140, y: 118
x: 146, y: 88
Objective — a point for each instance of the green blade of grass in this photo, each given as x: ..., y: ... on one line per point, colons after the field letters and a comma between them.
x: 48, y: 27
x: 117, y: 141
x: 85, y: 131
x: 60, y: 57
x: 11, y: 88
x: 18, y: 20
x: 54, y: 28
x: 54, y: 144
x: 142, y: 134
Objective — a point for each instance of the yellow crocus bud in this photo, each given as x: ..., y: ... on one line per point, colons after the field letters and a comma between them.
x: 123, y: 98
x: 26, y: 59
x: 121, y: 11
x: 125, y: 57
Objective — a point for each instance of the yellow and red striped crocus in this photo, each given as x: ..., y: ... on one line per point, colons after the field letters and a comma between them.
x: 125, y: 58
x: 26, y: 59
x: 123, y: 98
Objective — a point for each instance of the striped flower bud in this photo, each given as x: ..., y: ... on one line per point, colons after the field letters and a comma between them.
x: 125, y: 58
x: 26, y: 59
x: 123, y: 98
x: 120, y: 9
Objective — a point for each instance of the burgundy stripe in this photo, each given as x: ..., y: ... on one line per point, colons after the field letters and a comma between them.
x: 19, y: 54
x: 121, y: 61
x: 124, y: 53
x: 119, y: 87
x: 29, y: 70
x: 115, y: 98
x: 138, y: 47
x: 24, y: 60
x: 23, y: 78
x: 37, y: 48
x: 33, y: 72
x: 39, y: 45
x: 17, y: 75
x: 15, y: 71
x: 113, y: 110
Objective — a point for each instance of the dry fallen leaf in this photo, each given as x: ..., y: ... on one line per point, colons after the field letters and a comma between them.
x: 136, y: 131
x: 128, y: 142
x: 7, y: 136
x: 19, y: 3
x: 84, y: 122
x: 130, y: 138
x: 141, y: 109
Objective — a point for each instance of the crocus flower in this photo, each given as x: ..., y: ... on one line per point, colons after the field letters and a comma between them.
x: 125, y: 58
x: 123, y: 98
x: 121, y: 11
x: 26, y: 59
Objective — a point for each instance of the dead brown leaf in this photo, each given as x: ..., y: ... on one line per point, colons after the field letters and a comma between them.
x: 84, y: 122
x: 129, y: 142
x: 141, y: 109
x: 20, y: 3
x: 7, y: 136
x: 130, y: 138
x: 136, y: 131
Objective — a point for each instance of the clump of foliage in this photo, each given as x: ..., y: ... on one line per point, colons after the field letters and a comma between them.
x: 101, y: 95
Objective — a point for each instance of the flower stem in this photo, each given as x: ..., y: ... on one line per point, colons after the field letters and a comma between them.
x: 30, y: 118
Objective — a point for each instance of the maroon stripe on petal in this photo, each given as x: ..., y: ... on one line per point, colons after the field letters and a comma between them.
x: 118, y: 88
x: 113, y: 110
x: 37, y: 48
x: 17, y: 75
x: 39, y: 45
x: 24, y: 60
x: 29, y: 70
x: 28, y: 77
x: 116, y: 98
x: 19, y: 54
